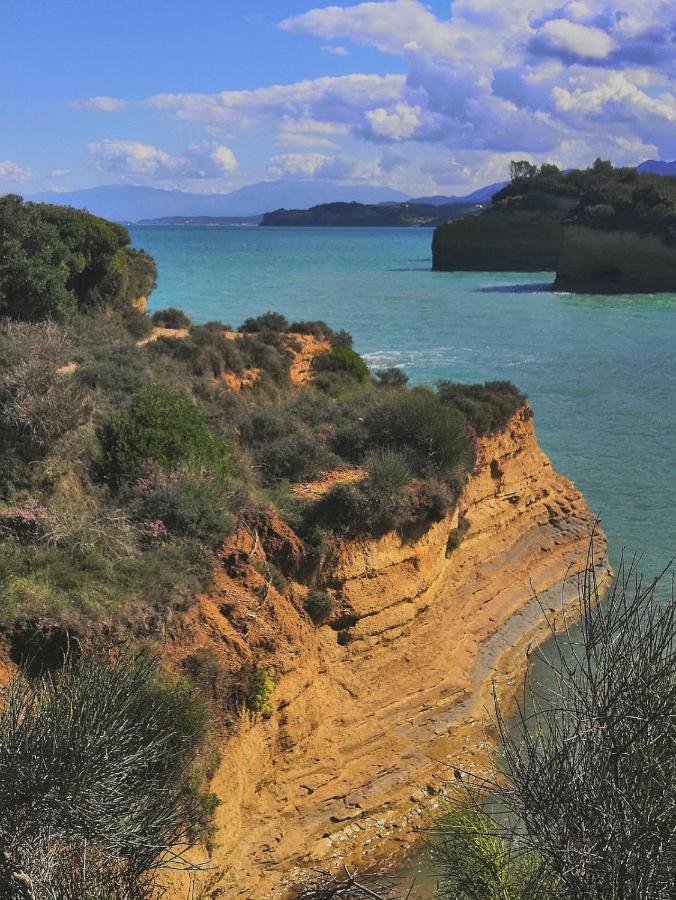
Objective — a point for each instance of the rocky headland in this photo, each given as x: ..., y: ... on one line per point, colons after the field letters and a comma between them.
x: 371, y: 708
x: 602, y: 230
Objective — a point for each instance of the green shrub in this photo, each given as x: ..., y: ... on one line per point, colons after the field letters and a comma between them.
x: 118, y: 372
x: 344, y: 361
x: 141, y: 275
x: 433, y: 437
x: 161, y: 426
x: 295, y: 457
x: 319, y: 606
x: 393, y: 377
x: 171, y: 318
x: 488, y: 407
x: 261, y: 689
x: 189, y: 503
x: 269, y: 321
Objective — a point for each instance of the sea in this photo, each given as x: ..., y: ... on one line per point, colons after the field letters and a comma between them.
x: 599, y: 371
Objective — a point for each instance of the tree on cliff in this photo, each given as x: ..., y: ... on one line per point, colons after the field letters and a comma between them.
x: 55, y: 261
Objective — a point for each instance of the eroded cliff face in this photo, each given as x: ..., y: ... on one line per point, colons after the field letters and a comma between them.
x: 611, y: 262
x: 369, y: 710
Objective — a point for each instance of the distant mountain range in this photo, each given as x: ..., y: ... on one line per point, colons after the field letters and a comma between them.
x: 482, y: 195
x: 129, y: 203
x: 658, y: 167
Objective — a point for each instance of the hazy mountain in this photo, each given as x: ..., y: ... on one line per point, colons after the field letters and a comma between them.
x: 482, y: 195
x: 128, y: 203
x: 658, y: 167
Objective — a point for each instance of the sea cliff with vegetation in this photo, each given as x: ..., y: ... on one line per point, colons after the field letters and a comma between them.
x: 288, y: 578
x: 602, y: 230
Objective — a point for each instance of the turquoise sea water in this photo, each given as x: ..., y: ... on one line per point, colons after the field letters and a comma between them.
x: 600, y: 372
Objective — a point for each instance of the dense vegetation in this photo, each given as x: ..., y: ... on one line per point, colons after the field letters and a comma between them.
x: 55, y: 261
x: 602, y: 196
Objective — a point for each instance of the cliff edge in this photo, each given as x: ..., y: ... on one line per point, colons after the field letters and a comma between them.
x: 370, y: 709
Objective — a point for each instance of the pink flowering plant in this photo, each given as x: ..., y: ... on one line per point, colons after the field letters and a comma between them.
x: 26, y: 522
x: 189, y: 502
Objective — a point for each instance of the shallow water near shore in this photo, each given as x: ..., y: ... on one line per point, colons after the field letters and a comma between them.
x: 600, y: 372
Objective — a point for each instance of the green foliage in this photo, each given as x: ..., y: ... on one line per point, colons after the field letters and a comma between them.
x: 606, y: 197
x: 55, y: 260
x: 391, y: 377
x: 322, y: 332
x: 269, y: 321
x: 33, y: 265
x: 140, y: 275
x: 171, y: 318
x: 475, y: 863
x: 433, y: 437
x: 486, y: 407
x: 346, y: 362
x: 319, y: 605
x: 189, y: 503
x: 261, y: 689
x: 161, y: 426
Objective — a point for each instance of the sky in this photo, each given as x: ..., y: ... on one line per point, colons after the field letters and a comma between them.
x: 435, y: 97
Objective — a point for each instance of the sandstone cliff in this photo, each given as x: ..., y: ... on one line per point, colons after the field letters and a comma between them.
x: 369, y: 709
x: 612, y: 262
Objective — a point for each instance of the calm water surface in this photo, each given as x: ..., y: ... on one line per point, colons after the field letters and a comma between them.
x: 600, y: 372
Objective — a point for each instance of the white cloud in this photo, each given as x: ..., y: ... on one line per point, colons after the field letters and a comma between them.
x: 133, y: 159
x: 330, y: 168
x: 578, y: 40
x: 101, y: 104
x: 12, y: 172
x: 59, y: 173
x: 333, y: 99
x: 307, y: 132
x: 335, y: 50
x: 396, y: 124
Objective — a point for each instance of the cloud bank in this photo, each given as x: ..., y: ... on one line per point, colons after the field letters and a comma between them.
x: 535, y: 78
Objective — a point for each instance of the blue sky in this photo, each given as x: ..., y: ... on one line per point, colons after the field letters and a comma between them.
x: 424, y: 97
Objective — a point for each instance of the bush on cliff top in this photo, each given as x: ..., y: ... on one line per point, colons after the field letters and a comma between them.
x: 161, y: 426
x: 487, y: 407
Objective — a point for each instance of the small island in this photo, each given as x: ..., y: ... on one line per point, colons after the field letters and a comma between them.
x: 602, y: 230
x: 371, y: 215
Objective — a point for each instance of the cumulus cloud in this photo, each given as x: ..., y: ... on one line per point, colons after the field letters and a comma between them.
x: 101, y: 104
x: 59, y: 173
x: 574, y: 40
x: 397, y: 123
x: 489, y: 80
x: 12, y: 172
x: 133, y: 159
